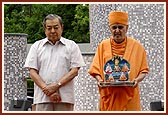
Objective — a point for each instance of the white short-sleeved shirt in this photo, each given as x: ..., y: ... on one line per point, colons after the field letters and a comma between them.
x: 52, y: 62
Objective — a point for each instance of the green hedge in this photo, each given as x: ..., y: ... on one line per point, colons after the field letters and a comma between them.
x: 30, y: 83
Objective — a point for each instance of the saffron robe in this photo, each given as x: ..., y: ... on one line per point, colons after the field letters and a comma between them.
x: 120, y: 98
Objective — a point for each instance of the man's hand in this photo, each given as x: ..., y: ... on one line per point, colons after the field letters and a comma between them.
x: 55, y: 98
x: 50, y: 89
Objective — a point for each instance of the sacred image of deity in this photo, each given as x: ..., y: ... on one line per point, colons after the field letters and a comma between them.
x: 116, y: 69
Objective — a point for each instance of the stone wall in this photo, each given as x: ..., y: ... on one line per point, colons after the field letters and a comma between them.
x: 15, y: 46
x: 86, y: 90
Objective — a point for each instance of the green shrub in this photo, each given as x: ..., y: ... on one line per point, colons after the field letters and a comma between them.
x: 30, y: 83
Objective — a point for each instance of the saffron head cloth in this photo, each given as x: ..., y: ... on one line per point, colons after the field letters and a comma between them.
x: 118, y: 17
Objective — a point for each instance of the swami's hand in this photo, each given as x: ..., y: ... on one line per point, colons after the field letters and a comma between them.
x: 55, y: 98
x: 99, y: 80
x: 99, y: 83
x: 135, y: 83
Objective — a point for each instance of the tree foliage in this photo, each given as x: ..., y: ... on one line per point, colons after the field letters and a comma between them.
x: 27, y: 18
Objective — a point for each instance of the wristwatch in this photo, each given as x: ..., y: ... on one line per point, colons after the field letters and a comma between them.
x: 59, y: 84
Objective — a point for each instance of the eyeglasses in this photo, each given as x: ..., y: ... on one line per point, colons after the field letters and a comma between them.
x: 115, y: 27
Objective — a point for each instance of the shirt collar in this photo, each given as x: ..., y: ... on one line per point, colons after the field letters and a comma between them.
x: 62, y: 40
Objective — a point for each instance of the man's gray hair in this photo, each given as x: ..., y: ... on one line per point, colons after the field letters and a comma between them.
x: 51, y: 17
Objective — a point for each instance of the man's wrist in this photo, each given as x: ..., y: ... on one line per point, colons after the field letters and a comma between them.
x: 59, y: 84
x: 43, y: 86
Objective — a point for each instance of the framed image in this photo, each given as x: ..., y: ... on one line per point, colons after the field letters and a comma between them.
x: 116, y: 72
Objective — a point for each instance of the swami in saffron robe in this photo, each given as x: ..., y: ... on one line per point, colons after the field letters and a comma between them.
x: 117, y: 98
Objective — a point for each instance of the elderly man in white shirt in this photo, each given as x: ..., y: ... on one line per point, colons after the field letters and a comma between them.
x: 53, y: 63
